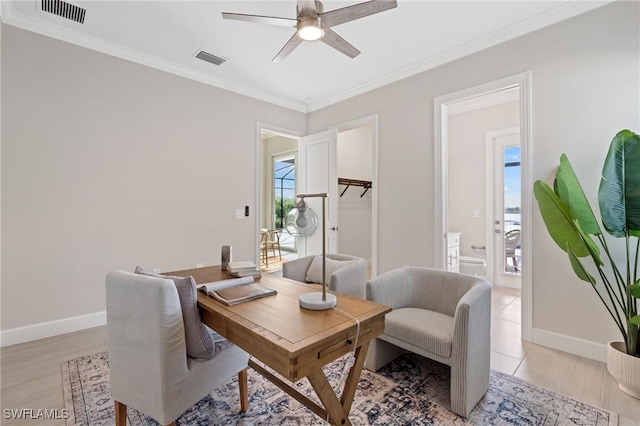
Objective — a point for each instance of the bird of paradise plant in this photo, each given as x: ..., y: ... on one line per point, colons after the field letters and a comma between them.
x: 572, y: 224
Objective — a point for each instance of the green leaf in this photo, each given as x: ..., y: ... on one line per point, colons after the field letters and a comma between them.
x: 619, y: 193
x: 579, y: 268
x: 635, y: 320
x: 593, y: 248
x: 558, y: 220
x: 635, y: 289
x: 572, y: 195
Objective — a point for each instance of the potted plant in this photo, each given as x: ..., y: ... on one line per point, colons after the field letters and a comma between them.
x: 572, y: 224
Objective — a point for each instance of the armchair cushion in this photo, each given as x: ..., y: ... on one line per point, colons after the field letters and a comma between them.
x: 201, y: 341
x: 314, y: 273
x: 408, y: 325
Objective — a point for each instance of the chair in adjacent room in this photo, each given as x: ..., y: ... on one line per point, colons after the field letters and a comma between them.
x: 148, y: 345
x: 511, y: 241
x: 444, y: 316
x: 345, y: 274
x: 270, y: 240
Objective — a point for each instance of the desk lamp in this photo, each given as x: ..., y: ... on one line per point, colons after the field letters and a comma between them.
x: 303, y: 222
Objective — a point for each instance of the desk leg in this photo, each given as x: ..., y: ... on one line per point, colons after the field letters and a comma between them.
x: 336, y: 412
x: 354, y: 377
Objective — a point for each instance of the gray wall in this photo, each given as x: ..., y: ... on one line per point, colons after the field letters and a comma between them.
x: 467, y: 171
x: 107, y: 164
x: 586, y: 75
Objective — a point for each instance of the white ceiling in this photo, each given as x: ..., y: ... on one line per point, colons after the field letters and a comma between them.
x: 414, y: 37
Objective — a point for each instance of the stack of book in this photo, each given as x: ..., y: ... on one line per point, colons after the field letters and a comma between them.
x: 244, y: 268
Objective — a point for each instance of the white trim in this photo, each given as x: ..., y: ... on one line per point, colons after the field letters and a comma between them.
x: 509, y: 95
x: 69, y: 35
x: 52, y: 328
x: 570, y: 344
x: 370, y: 120
x: 526, y: 206
x: 280, y: 131
x: 440, y: 105
x: 564, y: 11
x: 440, y: 182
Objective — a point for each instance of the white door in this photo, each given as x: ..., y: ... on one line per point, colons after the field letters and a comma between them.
x: 506, y: 225
x: 317, y: 167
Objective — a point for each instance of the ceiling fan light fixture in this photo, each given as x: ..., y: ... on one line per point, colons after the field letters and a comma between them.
x: 310, y: 30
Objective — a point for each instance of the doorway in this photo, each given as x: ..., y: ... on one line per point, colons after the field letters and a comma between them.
x: 365, y: 150
x: 276, y: 186
x: 445, y: 203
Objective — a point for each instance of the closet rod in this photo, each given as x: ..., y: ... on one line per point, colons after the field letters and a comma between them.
x: 366, y: 184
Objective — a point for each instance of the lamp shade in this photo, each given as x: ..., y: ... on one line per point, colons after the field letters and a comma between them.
x: 301, y: 221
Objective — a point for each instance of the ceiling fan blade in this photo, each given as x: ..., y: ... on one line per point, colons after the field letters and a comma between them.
x: 334, y: 40
x: 271, y: 20
x: 288, y: 48
x: 357, y: 11
x: 307, y: 6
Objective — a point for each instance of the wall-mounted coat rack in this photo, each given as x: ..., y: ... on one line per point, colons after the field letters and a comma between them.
x: 366, y: 184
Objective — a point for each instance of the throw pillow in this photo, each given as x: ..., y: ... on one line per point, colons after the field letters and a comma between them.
x: 201, y: 341
x: 314, y: 273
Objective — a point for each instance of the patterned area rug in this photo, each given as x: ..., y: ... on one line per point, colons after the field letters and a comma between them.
x: 409, y: 391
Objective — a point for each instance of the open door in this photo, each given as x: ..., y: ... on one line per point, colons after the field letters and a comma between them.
x: 317, y: 167
x: 506, y: 218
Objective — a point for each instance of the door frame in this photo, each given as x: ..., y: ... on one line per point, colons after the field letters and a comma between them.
x: 490, y: 189
x: 260, y: 170
x: 440, y: 121
x: 370, y: 120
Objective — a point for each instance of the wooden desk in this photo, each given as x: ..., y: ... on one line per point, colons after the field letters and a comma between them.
x: 293, y: 341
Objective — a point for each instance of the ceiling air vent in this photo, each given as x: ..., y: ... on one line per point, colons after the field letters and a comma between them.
x: 215, y: 60
x: 64, y: 9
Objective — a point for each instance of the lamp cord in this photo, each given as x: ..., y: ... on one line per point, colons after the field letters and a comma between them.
x: 352, y: 359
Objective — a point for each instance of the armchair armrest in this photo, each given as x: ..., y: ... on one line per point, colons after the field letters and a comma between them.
x: 350, y: 279
x: 393, y: 288
x: 471, y: 349
x: 297, y: 269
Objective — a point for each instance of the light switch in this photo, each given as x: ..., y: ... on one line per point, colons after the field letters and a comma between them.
x: 239, y: 213
x: 476, y: 213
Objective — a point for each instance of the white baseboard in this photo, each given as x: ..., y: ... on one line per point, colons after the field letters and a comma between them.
x: 52, y: 328
x: 570, y: 344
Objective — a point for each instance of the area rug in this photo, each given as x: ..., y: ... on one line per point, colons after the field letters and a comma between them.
x: 410, y: 391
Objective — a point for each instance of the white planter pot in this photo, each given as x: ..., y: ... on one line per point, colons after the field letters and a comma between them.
x: 624, y: 368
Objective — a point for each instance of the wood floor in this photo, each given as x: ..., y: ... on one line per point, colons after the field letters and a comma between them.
x: 30, y: 373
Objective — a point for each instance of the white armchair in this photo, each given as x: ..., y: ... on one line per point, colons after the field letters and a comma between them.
x: 148, y: 363
x: 345, y: 274
x: 444, y: 316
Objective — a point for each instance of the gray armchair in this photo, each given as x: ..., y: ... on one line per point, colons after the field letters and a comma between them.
x: 345, y: 274
x: 444, y: 316
x: 148, y: 363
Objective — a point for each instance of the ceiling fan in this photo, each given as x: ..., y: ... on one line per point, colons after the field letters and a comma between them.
x: 313, y: 23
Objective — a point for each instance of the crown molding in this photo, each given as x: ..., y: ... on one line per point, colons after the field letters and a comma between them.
x: 552, y: 16
x: 10, y: 17
x: 560, y: 13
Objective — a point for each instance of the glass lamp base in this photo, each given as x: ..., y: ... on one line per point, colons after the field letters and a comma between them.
x: 314, y: 301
